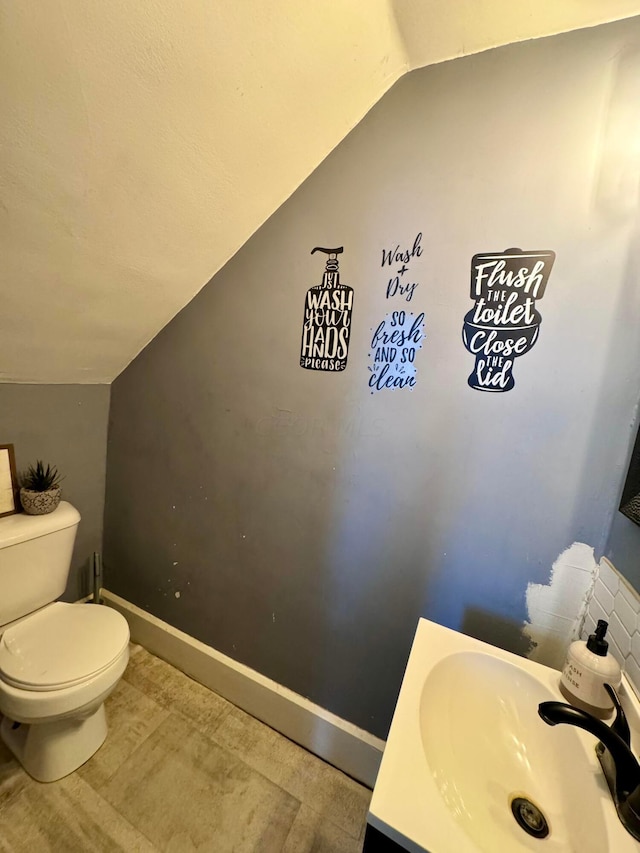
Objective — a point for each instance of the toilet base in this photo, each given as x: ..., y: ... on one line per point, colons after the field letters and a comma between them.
x: 51, y: 750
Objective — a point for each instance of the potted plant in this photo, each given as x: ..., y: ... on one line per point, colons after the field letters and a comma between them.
x: 40, y: 489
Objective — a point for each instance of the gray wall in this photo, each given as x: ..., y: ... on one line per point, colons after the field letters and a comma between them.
x: 65, y: 425
x: 623, y: 544
x: 300, y: 523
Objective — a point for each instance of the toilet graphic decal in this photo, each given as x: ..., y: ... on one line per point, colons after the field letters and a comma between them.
x: 504, y: 322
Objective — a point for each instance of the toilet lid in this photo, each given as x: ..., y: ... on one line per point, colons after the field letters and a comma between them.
x: 62, y: 645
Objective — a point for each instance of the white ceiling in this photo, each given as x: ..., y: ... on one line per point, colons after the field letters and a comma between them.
x: 143, y: 143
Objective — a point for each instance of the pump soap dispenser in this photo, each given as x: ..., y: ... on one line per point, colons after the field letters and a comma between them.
x: 587, y: 669
x: 326, y: 327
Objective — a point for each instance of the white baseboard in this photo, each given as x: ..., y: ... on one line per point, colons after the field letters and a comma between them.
x: 333, y: 739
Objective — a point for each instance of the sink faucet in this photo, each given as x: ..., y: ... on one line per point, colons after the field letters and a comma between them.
x: 620, y: 767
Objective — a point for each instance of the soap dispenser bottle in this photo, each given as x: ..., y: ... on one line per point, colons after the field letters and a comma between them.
x: 326, y: 326
x: 587, y: 669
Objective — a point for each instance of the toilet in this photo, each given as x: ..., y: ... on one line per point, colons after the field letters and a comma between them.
x: 58, y: 661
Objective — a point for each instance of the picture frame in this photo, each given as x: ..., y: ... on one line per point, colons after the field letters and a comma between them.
x: 9, y: 503
x: 630, y: 500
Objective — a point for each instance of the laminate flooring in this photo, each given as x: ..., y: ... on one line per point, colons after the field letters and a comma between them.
x: 183, y: 770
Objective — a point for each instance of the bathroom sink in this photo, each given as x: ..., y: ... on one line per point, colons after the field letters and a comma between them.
x: 491, y: 748
x: 469, y: 766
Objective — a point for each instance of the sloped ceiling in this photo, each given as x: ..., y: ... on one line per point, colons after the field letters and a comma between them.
x: 143, y: 143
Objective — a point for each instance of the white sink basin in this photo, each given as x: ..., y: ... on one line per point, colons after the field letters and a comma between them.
x: 466, y: 740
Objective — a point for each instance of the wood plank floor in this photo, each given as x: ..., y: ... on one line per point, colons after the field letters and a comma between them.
x: 183, y: 770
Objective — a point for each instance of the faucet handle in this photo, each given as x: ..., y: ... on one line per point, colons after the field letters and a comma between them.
x: 620, y: 725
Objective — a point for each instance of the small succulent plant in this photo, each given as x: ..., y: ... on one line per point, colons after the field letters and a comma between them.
x: 40, y: 479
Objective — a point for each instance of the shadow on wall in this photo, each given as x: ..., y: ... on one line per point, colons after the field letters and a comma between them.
x: 615, y: 200
x: 619, y: 191
x: 497, y: 630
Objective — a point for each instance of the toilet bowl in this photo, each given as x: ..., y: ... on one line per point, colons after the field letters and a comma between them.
x: 57, y: 666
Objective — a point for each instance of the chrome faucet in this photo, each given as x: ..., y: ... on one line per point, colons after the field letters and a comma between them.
x: 620, y: 767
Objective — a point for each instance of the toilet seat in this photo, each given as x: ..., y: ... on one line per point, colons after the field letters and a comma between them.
x: 41, y: 706
x: 62, y: 646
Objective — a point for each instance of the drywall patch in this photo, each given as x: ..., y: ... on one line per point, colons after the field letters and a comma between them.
x: 557, y: 609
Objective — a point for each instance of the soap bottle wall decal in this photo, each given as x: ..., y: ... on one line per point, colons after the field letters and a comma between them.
x: 326, y: 326
x: 504, y: 323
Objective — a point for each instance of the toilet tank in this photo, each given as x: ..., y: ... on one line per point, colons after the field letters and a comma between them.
x: 35, y: 557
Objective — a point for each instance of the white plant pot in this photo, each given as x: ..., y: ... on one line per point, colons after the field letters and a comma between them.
x: 39, y: 503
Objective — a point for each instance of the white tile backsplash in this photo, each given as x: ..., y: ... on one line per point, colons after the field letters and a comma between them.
x: 609, y: 576
x: 635, y: 646
x: 597, y: 612
x: 614, y: 600
x: 603, y: 596
x: 625, y: 613
x: 632, y: 670
x: 589, y: 626
x: 620, y: 635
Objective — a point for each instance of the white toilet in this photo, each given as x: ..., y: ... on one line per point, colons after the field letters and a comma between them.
x: 58, y: 662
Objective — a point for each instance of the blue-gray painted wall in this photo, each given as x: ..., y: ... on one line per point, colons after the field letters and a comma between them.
x: 306, y: 523
x: 66, y: 426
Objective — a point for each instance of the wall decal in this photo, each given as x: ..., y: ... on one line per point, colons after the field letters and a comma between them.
x: 399, y: 336
x: 326, y: 326
x: 398, y: 285
x: 393, y: 350
x: 504, y: 323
